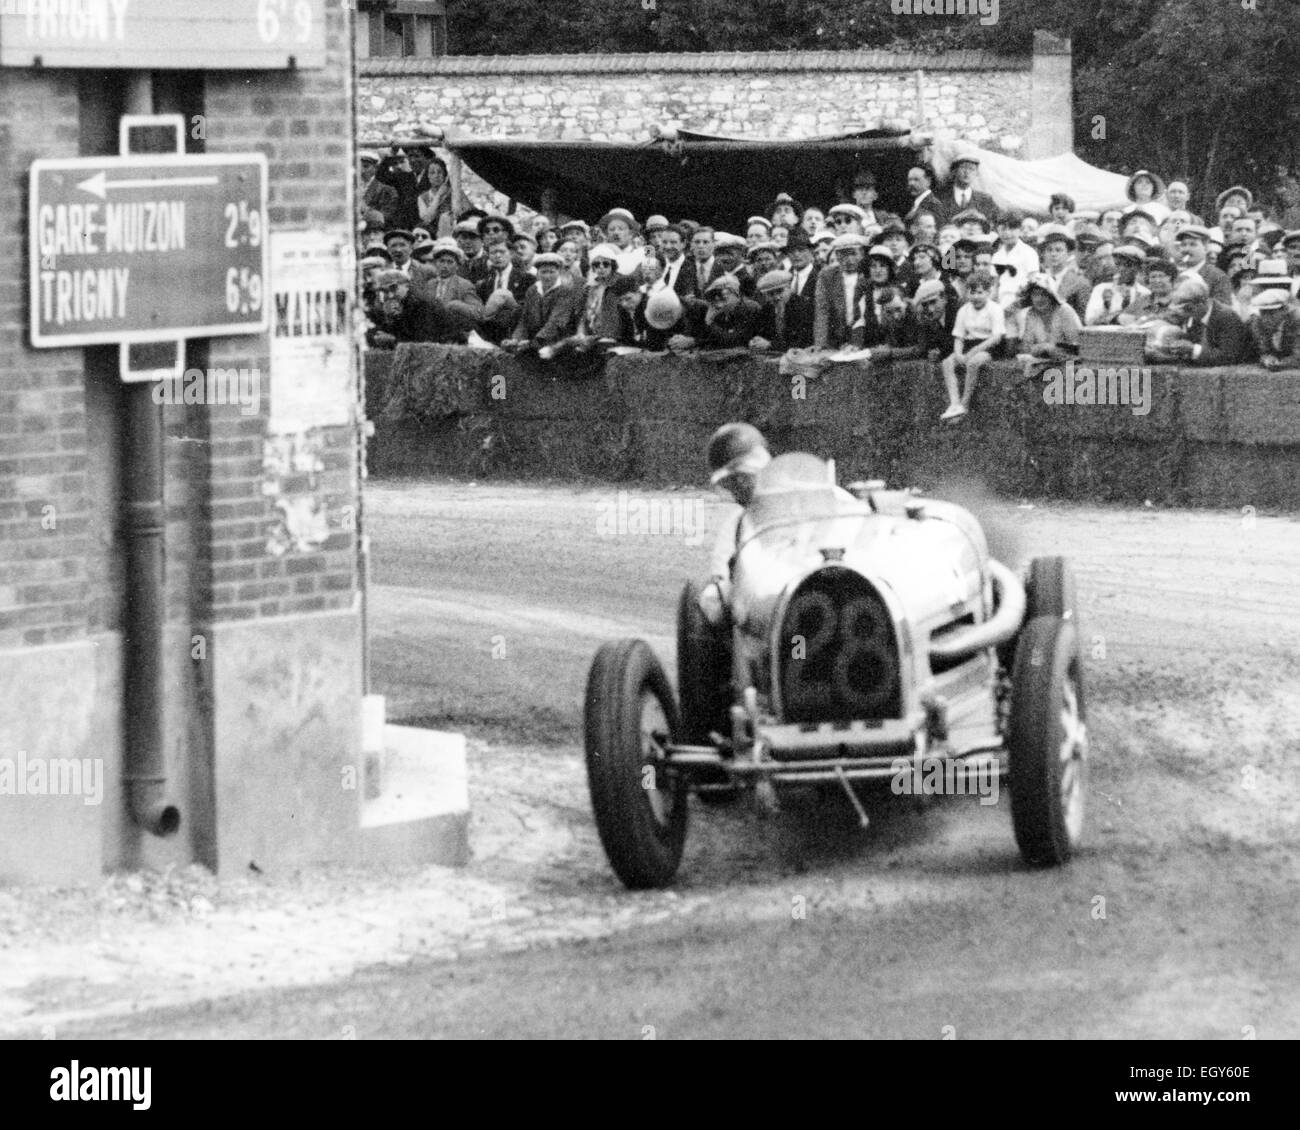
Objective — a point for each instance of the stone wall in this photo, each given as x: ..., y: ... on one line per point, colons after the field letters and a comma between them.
x: 1211, y: 437
x: 1015, y: 104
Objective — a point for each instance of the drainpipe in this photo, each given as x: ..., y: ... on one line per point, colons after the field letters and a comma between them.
x: 145, y: 773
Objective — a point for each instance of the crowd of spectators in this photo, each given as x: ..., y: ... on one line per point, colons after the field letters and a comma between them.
x: 955, y: 279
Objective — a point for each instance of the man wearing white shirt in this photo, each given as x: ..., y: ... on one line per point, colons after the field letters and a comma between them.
x: 1013, y: 260
x: 672, y: 242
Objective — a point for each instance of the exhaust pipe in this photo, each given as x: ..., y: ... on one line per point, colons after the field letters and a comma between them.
x: 999, y: 628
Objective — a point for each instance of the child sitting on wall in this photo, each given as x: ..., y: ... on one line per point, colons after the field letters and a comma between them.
x: 977, y: 333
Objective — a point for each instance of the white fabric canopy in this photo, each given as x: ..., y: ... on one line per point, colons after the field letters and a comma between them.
x: 1028, y: 185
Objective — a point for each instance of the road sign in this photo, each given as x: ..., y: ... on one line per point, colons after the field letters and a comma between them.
x: 163, y: 34
x: 148, y: 248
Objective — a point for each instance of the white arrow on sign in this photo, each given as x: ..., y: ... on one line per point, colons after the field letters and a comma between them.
x: 99, y: 184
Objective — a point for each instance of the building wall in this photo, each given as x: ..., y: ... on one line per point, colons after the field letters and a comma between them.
x: 231, y: 485
x: 978, y: 96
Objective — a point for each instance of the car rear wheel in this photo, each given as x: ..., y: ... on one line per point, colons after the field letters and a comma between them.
x: 1049, y: 591
x: 639, y: 803
x: 703, y: 685
x: 1047, y: 742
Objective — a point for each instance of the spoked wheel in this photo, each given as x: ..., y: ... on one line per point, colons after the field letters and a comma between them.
x: 1047, y: 742
x: 639, y: 803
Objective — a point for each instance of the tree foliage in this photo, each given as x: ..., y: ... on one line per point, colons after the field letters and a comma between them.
x: 1203, y: 88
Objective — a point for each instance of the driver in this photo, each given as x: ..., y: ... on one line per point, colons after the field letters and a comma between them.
x: 736, y: 453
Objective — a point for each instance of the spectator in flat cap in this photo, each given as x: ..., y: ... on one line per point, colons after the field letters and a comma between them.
x: 1275, y: 327
x: 1055, y: 245
x: 400, y: 243
x: 502, y: 293
x: 962, y: 195
x: 460, y: 301
x: 1191, y: 251
x: 619, y: 226
x: 551, y: 308
x: 470, y: 240
x: 773, y: 300
x: 1213, y: 335
x: 840, y: 293
x: 934, y: 316
x: 763, y: 257
x: 729, y: 320
x: 1093, y: 253
x: 894, y: 236
x: 655, y: 227
x: 729, y: 259
x: 376, y: 201
x: 523, y: 250
x: 1110, y: 301
x: 408, y: 314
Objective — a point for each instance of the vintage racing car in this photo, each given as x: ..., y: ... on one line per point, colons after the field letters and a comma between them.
x: 867, y: 629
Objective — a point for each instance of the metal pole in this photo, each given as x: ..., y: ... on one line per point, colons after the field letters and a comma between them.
x: 145, y: 773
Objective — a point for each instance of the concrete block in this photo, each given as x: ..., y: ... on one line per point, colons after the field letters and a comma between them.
x: 422, y: 814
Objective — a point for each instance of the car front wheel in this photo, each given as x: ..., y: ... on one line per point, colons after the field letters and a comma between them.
x: 640, y: 805
x: 1047, y: 742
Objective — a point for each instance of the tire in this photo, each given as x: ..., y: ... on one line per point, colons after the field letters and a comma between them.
x: 703, y: 682
x: 1049, y: 591
x: 642, y: 829
x: 1047, y: 742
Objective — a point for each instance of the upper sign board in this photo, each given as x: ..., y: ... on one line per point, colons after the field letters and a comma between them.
x: 148, y: 248
x: 207, y: 35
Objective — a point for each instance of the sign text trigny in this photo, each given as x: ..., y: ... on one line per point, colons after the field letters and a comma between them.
x: 211, y: 35
x: 148, y: 248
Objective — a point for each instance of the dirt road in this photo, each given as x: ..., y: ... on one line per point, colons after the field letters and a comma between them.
x: 1178, y: 919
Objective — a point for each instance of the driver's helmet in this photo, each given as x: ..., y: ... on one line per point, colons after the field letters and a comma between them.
x: 735, y: 449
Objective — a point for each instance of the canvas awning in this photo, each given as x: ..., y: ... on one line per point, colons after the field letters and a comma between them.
x: 710, y: 179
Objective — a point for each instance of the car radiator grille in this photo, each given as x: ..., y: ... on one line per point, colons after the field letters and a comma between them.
x: 838, y: 656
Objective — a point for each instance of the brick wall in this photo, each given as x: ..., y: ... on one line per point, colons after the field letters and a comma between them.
x: 302, y: 121
x: 230, y: 580
x: 46, y: 594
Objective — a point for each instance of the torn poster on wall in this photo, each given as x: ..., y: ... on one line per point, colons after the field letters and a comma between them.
x: 312, y: 375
